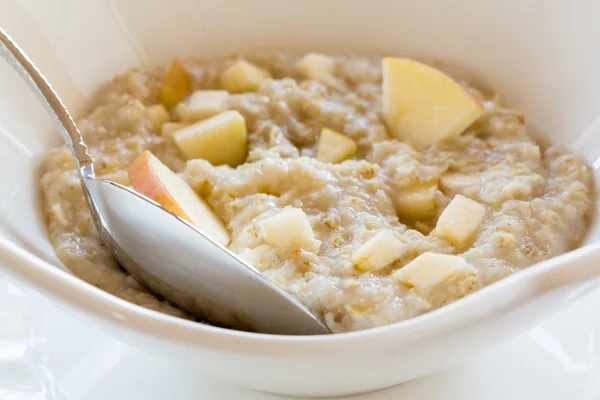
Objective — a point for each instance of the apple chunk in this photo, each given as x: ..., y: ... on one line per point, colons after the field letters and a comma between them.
x: 314, y: 65
x: 177, y: 85
x: 259, y: 257
x: 221, y: 139
x: 417, y: 203
x: 158, y: 115
x: 459, y: 221
x: 379, y: 251
x: 202, y: 104
x: 335, y: 147
x: 430, y: 269
x: 169, y: 128
x: 290, y: 230
x: 242, y: 77
x: 150, y: 177
x: 459, y: 182
x: 422, y: 105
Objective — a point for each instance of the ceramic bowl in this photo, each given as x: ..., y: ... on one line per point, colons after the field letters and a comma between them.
x: 539, y: 54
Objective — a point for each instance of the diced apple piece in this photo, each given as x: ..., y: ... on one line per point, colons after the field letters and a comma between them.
x: 257, y: 257
x: 202, y: 104
x: 430, y: 269
x: 459, y: 220
x: 242, y: 77
x: 290, y: 230
x: 458, y: 182
x: 181, y: 112
x: 379, y: 251
x: 169, y: 128
x: 177, y: 85
x: 150, y: 177
x: 117, y: 176
x: 206, y: 103
x: 422, y: 105
x: 158, y: 115
x: 221, y: 139
x: 335, y: 147
x: 314, y: 65
x: 417, y: 204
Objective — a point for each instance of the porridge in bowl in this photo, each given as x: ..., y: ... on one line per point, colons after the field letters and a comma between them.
x: 372, y: 191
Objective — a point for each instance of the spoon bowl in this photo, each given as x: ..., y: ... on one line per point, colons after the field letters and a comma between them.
x: 190, y: 269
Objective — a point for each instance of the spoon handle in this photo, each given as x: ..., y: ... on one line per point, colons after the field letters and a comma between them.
x: 17, y: 59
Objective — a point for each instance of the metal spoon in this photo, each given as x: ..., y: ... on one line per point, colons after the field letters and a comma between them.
x: 168, y: 255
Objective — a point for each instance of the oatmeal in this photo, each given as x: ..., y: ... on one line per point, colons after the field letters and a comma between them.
x: 315, y: 188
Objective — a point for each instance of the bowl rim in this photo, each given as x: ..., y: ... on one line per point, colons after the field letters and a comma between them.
x: 76, y: 293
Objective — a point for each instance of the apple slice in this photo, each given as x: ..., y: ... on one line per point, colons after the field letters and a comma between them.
x: 335, y: 147
x: 258, y: 257
x: 379, y: 251
x: 202, y: 104
x: 150, y: 177
x: 158, y: 115
x: 221, y: 139
x: 430, y: 269
x: 459, y: 221
x: 242, y: 77
x: 169, y: 128
x: 290, y: 230
x: 422, y: 105
x: 418, y: 203
x: 456, y: 182
x: 177, y: 85
x: 314, y: 65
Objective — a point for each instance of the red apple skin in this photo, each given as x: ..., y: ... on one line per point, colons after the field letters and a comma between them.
x: 145, y: 180
x: 145, y: 177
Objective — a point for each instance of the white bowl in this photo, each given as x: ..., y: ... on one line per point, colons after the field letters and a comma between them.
x: 540, y: 54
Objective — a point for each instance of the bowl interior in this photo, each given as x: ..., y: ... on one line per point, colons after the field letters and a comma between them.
x: 547, y: 69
